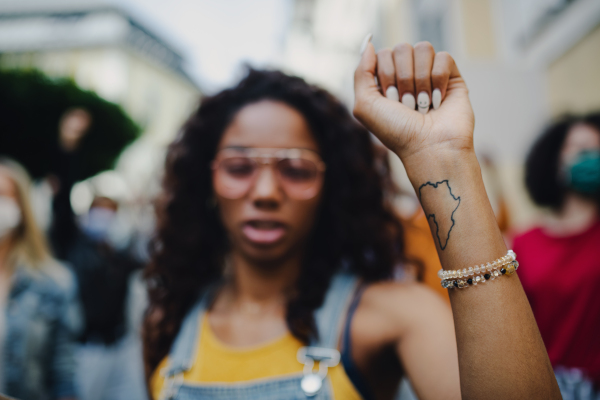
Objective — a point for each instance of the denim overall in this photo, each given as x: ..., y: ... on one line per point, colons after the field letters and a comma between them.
x: 313, y: 383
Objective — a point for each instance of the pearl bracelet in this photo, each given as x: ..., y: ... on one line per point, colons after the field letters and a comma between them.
x: 480, y: 273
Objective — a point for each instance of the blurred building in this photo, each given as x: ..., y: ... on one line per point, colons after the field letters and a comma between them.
x: 524, y: 61
x: 106, y: 49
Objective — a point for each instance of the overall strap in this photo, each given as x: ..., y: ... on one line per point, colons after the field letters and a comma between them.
x: 329, y: 320
x: 183, y: 350
x: 330, y: 317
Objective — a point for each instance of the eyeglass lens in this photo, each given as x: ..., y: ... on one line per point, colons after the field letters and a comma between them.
x: 235, y: 175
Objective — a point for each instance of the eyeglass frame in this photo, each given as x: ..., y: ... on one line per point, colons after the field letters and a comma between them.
x: 270, y: 155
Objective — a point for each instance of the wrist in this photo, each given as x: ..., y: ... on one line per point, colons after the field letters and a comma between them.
x: 450, y: 189
x: 427, y: 165
x: 446, y: 148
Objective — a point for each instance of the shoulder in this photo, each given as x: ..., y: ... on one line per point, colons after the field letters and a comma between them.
x: 393, y: 294
x: 59, y: 275
x: 52, y: 278
x: 397, y: 308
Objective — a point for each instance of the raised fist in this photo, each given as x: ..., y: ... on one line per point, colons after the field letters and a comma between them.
x: 386, y: 85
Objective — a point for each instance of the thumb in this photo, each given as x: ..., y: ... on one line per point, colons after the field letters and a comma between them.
x: 364, y: 76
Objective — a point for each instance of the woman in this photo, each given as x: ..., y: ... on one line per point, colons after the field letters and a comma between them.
x: 39, y: 315
x: 562, y: 255
x: 274, y: 248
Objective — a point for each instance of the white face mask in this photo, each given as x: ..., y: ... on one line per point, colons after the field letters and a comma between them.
x: 98, y: 222
x: 10, y: 216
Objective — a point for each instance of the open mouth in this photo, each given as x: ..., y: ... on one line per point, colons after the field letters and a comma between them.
x: 263, y: 232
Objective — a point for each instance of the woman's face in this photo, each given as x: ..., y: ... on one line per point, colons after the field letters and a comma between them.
x: 266, y: 224
x: 10, y: 213
x: 7, y: 186
x: 581, y: 137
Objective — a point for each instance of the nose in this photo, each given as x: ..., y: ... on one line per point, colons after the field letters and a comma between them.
x: 266, y: 192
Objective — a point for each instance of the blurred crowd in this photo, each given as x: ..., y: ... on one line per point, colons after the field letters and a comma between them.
x: 70, y: 326
x: 72, y: 295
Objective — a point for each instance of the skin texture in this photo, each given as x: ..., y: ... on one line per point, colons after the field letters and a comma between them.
x: 262, y: 274
x: 500, y: 351
x: 7, y: 187
x: 250, y: 310
x: 398, y: 328
x: 272, y: 125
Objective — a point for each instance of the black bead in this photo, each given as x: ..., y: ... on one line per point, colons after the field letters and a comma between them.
x: 503, y: 271
x: 455, y: 283
x: 487, y: 277
x: 470, y: 281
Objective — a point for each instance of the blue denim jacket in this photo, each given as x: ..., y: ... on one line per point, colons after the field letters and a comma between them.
x: 42, y: 321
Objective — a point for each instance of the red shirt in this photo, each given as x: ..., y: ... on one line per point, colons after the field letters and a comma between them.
x: 561, y: 277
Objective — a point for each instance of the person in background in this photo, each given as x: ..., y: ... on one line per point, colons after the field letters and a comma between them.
x: 103, y: 273
x: 39, y: 314
x: 101, y: 270
x: 72, y: 127
x: 561, y: 257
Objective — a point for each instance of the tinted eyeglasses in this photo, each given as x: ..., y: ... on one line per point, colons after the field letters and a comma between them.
x: 299, y: 172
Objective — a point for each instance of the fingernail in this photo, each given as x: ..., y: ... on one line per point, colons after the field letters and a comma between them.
x: 365, y: 42
x: 436, y: 98
x: 408, y: 100
x: 392, y: 93
x: 423, y: 102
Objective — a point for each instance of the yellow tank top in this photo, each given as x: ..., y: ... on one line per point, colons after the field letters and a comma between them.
x: 218, y: 363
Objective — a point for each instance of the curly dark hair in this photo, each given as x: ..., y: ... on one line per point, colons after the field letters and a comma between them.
x: 356, y: 228
x: 542, y: 175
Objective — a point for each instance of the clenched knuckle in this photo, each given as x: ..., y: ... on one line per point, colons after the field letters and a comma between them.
x: 421, y: 75
x: 386, y: 71
x: 438, y: 73
x: 402, y: 48
x: 384, y: 52
x: 424, y: 46
x: 405, y: 80
x: 444, y: 55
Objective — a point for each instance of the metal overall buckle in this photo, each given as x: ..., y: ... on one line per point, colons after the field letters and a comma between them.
x: 313, y: 380
x: 171, y: 386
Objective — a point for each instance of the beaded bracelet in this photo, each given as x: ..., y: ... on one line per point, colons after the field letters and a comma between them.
x: 490, y: 271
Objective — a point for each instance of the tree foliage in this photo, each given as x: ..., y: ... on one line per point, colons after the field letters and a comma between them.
x: 31, y: 105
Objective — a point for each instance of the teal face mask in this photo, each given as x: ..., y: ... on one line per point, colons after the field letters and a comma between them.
x: 583, y: 174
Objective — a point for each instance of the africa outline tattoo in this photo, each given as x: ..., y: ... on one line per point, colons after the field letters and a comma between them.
x: 432, y: 215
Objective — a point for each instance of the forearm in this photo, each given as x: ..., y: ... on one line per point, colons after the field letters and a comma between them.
x: 501, y: 354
